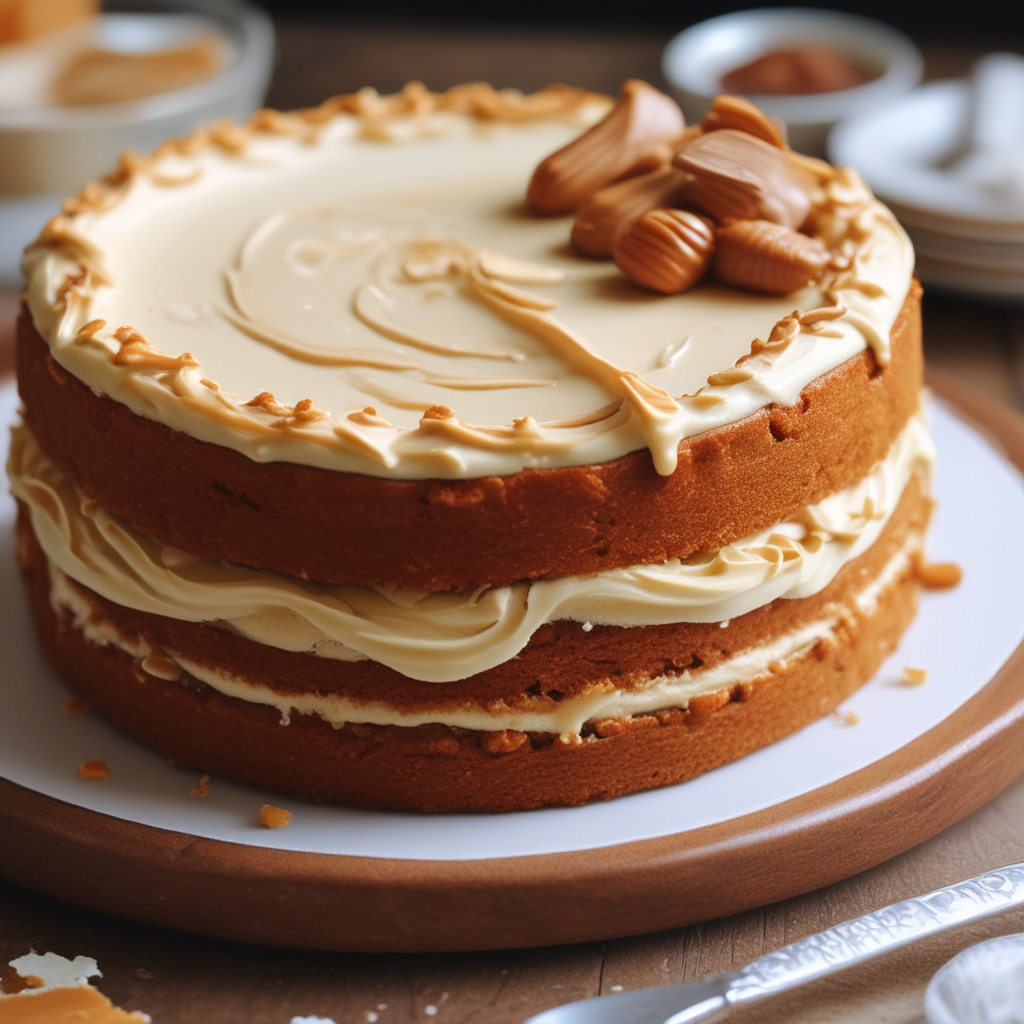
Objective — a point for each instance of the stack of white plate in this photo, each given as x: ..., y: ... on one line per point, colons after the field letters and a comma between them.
x: 967, y: 228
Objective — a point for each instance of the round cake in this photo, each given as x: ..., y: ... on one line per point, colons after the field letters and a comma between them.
x: 472, y: 451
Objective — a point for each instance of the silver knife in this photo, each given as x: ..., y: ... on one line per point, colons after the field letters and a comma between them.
x: 849, y: 943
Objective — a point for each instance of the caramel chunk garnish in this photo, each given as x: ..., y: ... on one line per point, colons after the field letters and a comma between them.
x: 767, y: 257
x: 635, y: 135
x: 667, y: 251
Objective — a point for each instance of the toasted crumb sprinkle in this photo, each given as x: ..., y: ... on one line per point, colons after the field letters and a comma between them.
x: 914, y: 676
x: 72, y: 706
x: 93, y: 770
x: 202, y: 789
x: 274, y: 817
x: 938, y: 575
x: 846, y: 717
x: 33, y: 981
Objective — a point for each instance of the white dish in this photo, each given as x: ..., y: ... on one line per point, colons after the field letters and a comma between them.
x: 981, y: 507
x: 900, y: 150
x: 696, y: 59
x: 49, y: 151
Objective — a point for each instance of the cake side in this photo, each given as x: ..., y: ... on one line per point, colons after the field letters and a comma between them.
x: 608, y: 522
x: 439, y: 768
x: 440, y: 535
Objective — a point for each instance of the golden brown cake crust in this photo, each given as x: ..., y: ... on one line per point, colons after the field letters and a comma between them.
x: 459, y: 534
x: 434, y: 768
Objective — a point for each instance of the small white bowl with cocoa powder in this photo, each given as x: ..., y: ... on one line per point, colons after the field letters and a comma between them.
x: 810, y: 68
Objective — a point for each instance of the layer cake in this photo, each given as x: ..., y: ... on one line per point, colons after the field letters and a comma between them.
x: 344, y: 473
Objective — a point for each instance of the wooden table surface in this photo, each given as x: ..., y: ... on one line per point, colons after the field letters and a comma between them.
x: 180, y: 978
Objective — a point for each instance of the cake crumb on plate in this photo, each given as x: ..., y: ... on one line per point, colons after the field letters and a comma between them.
x: 74, y: 707
x: 914, y: 676
x: 202, y: 790
x: 274, y: 817
x: 93, y: 770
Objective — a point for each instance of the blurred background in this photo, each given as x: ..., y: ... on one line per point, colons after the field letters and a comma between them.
x: 337, y: 45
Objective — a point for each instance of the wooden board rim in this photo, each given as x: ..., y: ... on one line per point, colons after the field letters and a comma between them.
x: 342, y: 902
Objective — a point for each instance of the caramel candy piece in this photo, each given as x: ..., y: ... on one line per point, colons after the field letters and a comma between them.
x: 25, y: 19
x: 736, y: 112
x: 607, y: 216
x: 641, y: 127
x: 666, y: 250
x: 736, y: 175
x: 767, y: 257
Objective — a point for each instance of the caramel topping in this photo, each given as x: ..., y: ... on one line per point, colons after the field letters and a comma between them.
x: 667, y: 251
x: 608, y: 215
x: 643, y: 124
x: 736, y: 112
x: 739, y: 176
x: 767, y: 257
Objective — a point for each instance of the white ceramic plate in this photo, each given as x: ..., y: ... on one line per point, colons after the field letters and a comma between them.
x: 899, y: 150
x: 961, y: 637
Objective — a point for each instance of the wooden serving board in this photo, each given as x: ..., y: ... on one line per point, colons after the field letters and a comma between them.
x: 343, y: 902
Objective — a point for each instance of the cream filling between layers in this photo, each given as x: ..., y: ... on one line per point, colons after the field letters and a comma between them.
x: 378, y: 273
x: 439, y: 637
x: 568, y: 718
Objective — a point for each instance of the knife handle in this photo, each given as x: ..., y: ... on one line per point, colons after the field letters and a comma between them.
x: 864, y: 937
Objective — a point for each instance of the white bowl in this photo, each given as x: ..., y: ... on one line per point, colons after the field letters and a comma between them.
x: 695, y: 61
x: 49, y: 152
x: 982, y: 985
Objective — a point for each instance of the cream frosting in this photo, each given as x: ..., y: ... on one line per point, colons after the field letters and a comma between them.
x: 361, y: 289
x: 567, y: 718
x: 439, y: 637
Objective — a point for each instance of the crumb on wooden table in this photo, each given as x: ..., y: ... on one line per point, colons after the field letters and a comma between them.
x: 73, y: 706
x: 274, y: 817
x: 914, y: 676
x: 93, y: 770
x: 202, y: 790
x: 142, y: 973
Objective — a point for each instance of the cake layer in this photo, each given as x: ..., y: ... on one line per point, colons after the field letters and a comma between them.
x: 457, y: 535
x: 443, y: 637
x: 360, y: 288
x: 437, y: 768
x: 567, y: 676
